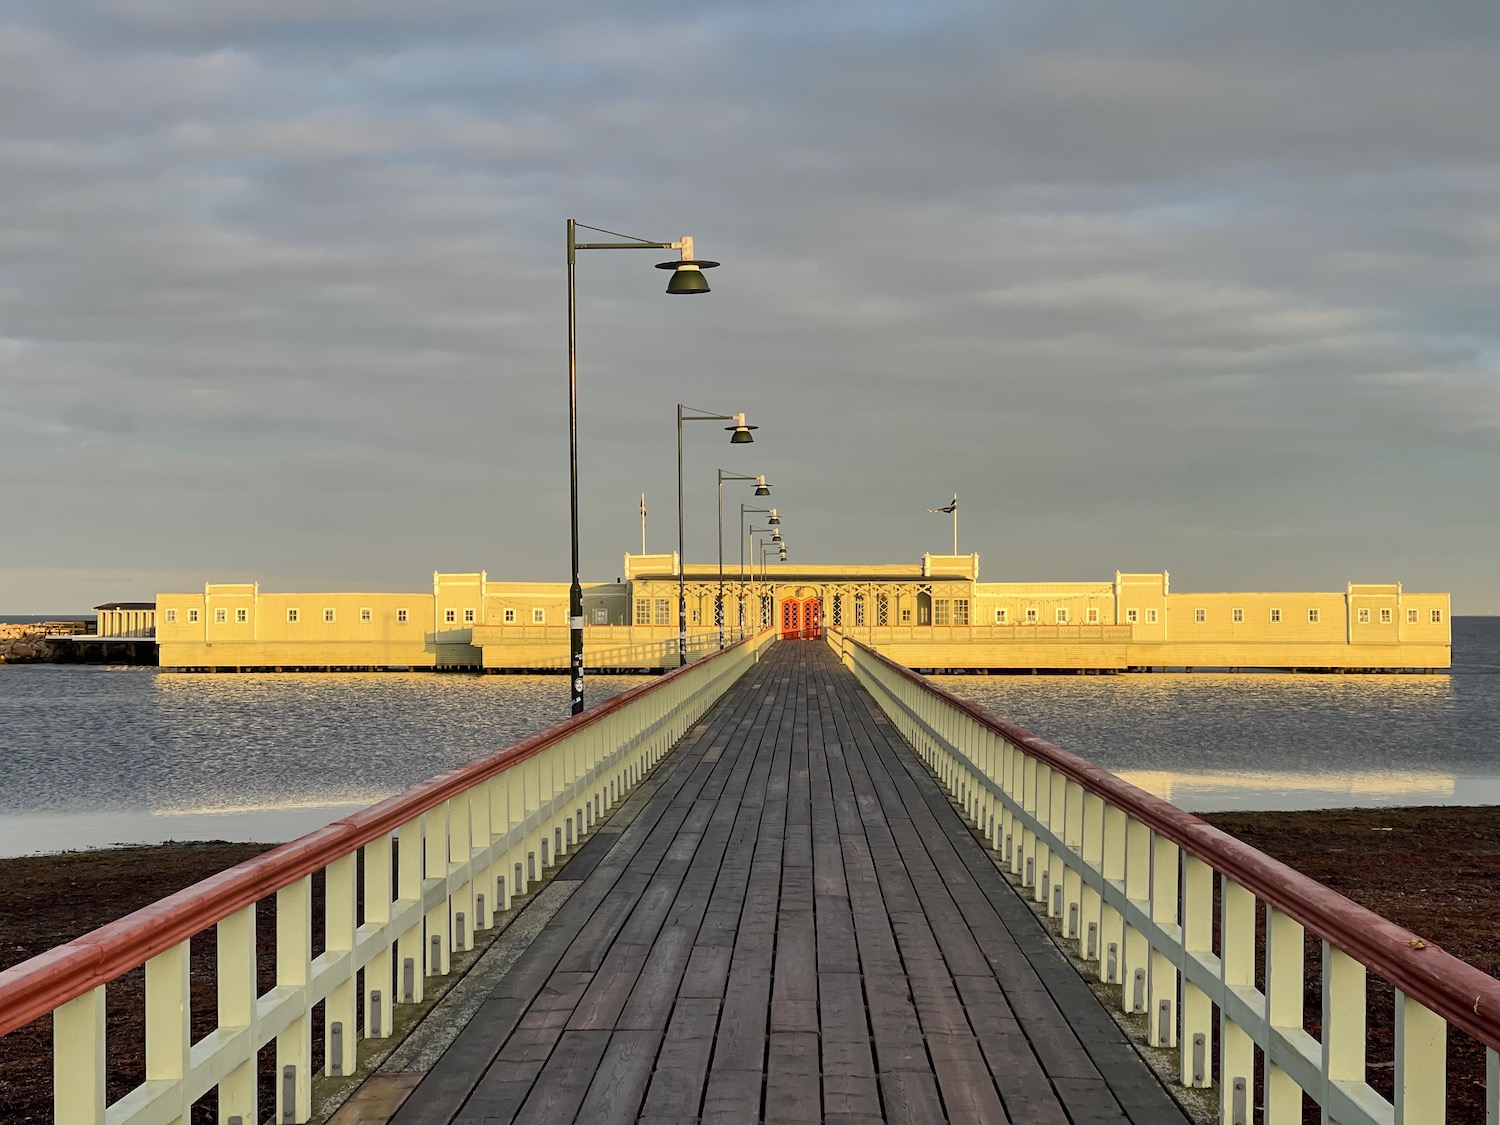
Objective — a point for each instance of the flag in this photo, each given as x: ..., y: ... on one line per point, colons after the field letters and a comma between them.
x: 953, y: 507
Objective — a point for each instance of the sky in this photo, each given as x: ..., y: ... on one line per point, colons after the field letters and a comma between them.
x: 1196, y: 286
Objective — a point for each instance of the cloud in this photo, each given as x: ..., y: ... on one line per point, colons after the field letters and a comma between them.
x: 289, y: 277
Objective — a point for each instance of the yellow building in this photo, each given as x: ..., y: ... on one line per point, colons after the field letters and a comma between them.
x: 932, y: 614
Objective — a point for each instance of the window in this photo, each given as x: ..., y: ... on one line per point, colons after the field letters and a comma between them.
x: 1002, y: 617
x: 1237, y: 615
x: 1061, y: 615
x: 859, y: 609
x: 697, y: 617
x: 1031, y: 616
x: 192, y: 617
x: 401, y: 617
x: 510, y: 614
x: 291, y: 616
x: 664, y: 611
x: 1200, y: 615
x: 601, y: 616
x: 883, y: 609
x: 642, y: 612
x: 538, y: 617
x: 1312, y: 617
x: 1151, y: 617
x: 960, y: 611
x: 1093, y: 615
x: 242, y: 615
x: 942, y: 612
x: 1364, y: 617
x: 1437, y: 617
x: 1411, y: 617
x: 468, y: 617
x: 328, y: 616
x: 171, y: 617
x: 450, y: 617
x: 1275, y: 616
x: 367, y: 615
x: 1385, y: 617
x: 1132, y: 616
x: 906, y: 615
x: 221, y: 616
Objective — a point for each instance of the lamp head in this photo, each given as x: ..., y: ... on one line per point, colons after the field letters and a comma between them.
x: 783, y: 554
x: 776, y: 536
x: 761, y: 487
x: 739, y: 433
x: 775, y: 520
x: 687, y: 272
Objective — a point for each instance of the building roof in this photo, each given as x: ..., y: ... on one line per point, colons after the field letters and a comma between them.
x: 127, y: 605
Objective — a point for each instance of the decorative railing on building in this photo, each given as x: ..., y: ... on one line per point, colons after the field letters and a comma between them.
x: 438, y: 862
x: 991, y: 634
x: 1129, y: 882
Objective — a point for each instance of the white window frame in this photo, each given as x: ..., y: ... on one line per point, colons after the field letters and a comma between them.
x: 192, y: 617
x: 292, y: 614
x: 1151, y: 617
x: 366, y: 615
x: 1132, y: 616
x: 509, y: 615
x: 1435, y: 617
x: 1060, y: 615
x: 1200, y: 617
x: 538, y: 616
x: 1364, y: 616
x: 468, y: 617
x: 663, y: 612
x: 450, y: 617
x: 1313, y: 616
x: 330, y: 615
x: 1002, y: 616
x: 401, y: 617
x: 906, y: 615
x: 171, y: 617
x: 1033, y: 615
x: 961, y: 611
x: 241, y: 616
x: 1091, y: 615
x: 601, y: 615
x: 1275, y: 616
x: 1411, y: 617
x: 1237, y: 616
x: 942, y: 611
x: 1386, y: 616
x: 221, y: 617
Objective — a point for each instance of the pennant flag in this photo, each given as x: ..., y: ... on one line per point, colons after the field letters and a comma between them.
x: 953, y: 507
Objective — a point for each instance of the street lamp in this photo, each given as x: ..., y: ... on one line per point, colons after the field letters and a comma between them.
x: 775, y: 520
x: 739, y: 434
x: 761, y: 489
x: 687, y: 277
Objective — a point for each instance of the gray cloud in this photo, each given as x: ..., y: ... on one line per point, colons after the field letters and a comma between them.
x: 1197, y: 286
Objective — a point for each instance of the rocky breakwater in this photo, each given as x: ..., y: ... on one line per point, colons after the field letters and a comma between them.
x: 27, y: 644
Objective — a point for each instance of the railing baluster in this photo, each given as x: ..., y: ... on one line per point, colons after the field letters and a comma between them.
x: 78, y: 1073
x: 435, y: 868
x: 168, y: 1013
x: 1237, y: 970
x: 235, y: 942
x: 1111, y: 921
x: 461, y: 897
x: 1285, y: 988
x: 1421, y: 1063
x: 1166, y: 884
x: 409, y: 893
x: 293, y: 965
x: 1197, y: 938
x: 378, y: 898
x: 339, y: 918
x: 1134, y: 956
x: 1072, y: 877
x: 1343, y: 1020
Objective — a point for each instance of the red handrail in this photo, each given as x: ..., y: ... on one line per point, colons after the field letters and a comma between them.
x: 45, y: 982
x: 1458, y: 992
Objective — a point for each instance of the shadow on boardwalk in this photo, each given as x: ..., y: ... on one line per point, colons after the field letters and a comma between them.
x: 795, y: 926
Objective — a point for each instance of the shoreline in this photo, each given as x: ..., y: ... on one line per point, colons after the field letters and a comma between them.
x: 1432, y: 869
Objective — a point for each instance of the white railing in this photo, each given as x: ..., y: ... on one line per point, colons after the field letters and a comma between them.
x: 465, y: 843
x: 1128, y: 881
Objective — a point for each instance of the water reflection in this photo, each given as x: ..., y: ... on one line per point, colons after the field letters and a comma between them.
x: 118, y: 755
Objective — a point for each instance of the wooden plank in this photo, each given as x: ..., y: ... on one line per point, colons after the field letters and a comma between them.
x: 614, y: 1097
x: 676, y: 1087
x: 792, y: 1086
x: 564, y: 1082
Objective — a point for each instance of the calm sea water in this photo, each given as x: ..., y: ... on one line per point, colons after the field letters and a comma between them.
x: 1275, y: 741
x: 92, y: 756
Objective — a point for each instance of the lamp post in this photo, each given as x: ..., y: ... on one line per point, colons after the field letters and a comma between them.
x: 739, y: 434
x: 687, y: 278
x: 761, y: 489
x: 774, y: 521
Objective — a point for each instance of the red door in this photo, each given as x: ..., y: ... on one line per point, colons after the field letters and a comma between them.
x: 791, y: 619
x: 812, y: 619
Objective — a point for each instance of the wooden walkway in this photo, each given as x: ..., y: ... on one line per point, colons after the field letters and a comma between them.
x: 795, y: 926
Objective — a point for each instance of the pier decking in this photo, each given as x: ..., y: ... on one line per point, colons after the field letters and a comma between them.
x: 789, y: 922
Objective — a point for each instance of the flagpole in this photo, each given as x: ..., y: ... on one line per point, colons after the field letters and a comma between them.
x: 643, y: 523
x: 955, y: 523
